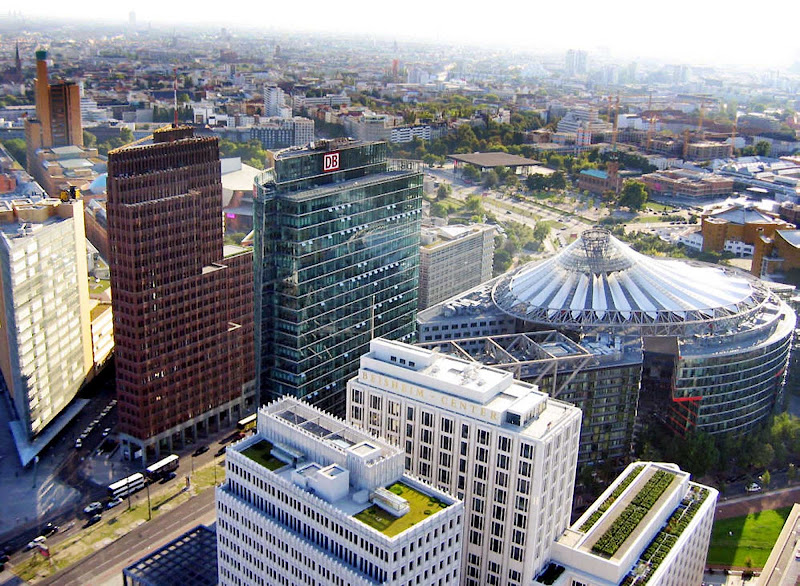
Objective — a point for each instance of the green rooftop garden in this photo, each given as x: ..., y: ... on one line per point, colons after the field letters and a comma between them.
x: 662, y: 543
x: 628, y: 520
x: 422, y: 506
x: 593, y: 518
x: 261, y: 452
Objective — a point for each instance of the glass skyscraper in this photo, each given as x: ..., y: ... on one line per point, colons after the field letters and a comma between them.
x: 336, y: 258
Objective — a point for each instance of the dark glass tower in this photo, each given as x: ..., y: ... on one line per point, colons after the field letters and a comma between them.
x: 336, y: 264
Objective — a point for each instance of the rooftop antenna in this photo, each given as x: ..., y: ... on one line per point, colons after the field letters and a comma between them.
x: 175, y: 98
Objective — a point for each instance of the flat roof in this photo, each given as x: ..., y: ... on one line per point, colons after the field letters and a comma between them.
x: 421, y: 507
x: 494, y: 159
x: 189, y: 559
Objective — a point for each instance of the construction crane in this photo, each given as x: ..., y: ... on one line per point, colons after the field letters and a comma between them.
x: 651, y: 125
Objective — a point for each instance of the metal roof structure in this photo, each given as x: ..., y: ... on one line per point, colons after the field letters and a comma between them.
x: 189, y: 559
x: 600, y: 282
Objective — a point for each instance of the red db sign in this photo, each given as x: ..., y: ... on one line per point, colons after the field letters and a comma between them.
x: 330, y: 162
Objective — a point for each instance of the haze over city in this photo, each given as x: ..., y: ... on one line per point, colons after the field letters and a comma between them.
x: 695, y: 33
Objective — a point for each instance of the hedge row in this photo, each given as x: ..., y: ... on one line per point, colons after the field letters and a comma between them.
x: 593, y: 518
x: 626, y: 523
x: 661, y: 545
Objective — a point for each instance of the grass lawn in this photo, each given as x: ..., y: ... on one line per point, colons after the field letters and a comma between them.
x: 735, y: 540
x: 646, y: 219
x: 421, y: 505
x: 261, y: 452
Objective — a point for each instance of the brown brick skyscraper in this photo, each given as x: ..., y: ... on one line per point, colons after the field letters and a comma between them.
x: 183, y: 306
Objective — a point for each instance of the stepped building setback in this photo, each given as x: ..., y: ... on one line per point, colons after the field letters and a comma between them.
x: 504, y: 448
x: 310, y: 500
x: 182, y: 301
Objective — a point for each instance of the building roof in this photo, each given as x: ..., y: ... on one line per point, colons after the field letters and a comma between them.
x: 498, y: 159
x: 746, y: 215
x: 189, y: 559
x: 595, y: 173
x: 790, y: 236
x: 599, y: 280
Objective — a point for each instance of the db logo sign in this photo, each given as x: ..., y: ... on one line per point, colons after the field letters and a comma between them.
x: 330, y: 162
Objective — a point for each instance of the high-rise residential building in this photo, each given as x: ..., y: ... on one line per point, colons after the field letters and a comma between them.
x: 453, y: 259
x: 58, y: 114
x: 310, y: 500
x: 182, y: 301
x: 336, y: 264
x: 504, y: 448
x: 275, y: 102
x: 651, y: 526
x: 46, y: 345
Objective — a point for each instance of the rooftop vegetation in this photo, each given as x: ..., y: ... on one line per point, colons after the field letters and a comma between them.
x: 629, y: 519
x: 662, y: 543
x: 261, y: 452
x: 422, y: 505
x: 593, y: 518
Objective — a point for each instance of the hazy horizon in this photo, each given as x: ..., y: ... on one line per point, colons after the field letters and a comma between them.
x: 691, y: 33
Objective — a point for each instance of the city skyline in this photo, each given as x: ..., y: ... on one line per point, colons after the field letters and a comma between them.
x: 700, y: 34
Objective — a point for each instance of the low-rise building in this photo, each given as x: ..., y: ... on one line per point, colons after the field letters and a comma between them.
x: 738, y: 223
x: 311, y: 500
x: 688, y: 183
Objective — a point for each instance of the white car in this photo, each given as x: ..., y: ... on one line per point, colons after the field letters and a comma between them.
x: 113, y: 503
x: 753, y: 487
x: 37, y: 541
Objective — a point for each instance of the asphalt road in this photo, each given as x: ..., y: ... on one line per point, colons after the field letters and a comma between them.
x: 104, y: 567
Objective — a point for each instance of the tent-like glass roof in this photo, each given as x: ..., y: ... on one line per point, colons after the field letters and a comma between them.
x: 600, y: 281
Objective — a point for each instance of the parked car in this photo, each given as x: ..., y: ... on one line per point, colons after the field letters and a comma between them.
x: 113, y: 503
x: 35, y: 542
x: 106, y: 431
x: 753, y: 487
x: 220, y: 451
x: 200, y: 450
x: 93, y: 507
x: 78, y: 443
x: 49, y: 529
x: 94, y: 519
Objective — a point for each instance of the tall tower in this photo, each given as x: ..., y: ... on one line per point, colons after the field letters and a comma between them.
x: 182, y: 303
x: 336, y: 264
x: 58, y: 114
x: 46, y: 340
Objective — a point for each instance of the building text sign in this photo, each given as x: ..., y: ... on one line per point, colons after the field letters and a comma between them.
x: 330, y: 162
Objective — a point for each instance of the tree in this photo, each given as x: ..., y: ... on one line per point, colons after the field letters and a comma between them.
x: 558, y: 181
x: 634, y: 195
x: 491, y: 179
x: 541, y: 231
x: 766, y: 478
x: 470, y: 173
x: 502, y: 261
x: 445, y: 189
x: 89, y: 139
x: 763, y: 148
x: 125, y: 135
x: 474, y: 204
x: 16, y: 148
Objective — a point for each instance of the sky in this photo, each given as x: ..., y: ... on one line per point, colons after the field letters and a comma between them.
x: 709, y: 32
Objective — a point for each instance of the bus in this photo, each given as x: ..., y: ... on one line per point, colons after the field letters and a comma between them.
x: 126, y: 486
x: 248, y: 422
x: 162, y: 468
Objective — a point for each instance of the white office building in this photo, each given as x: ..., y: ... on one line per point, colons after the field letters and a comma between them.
x: 504, y: 448
x: 651, y: 526
x: 310, y: 500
